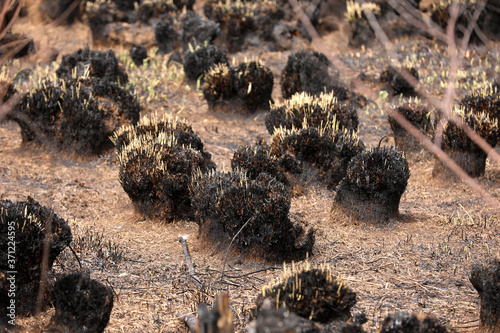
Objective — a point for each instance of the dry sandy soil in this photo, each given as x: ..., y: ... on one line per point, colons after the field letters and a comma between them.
x: 418, y: 262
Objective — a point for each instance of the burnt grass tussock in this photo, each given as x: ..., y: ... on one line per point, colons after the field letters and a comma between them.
x: 412, y: 323
x: 26, y: 223
x: 247, y: 88
x: 101, y: 64
x: 325, y: 148
x: 76, y: 116
x: 156, y: 167
x: 197, y: 61
x: 420, y: 116
x: 372, y: 188
x: 485, y: 278
x: 226, y: 203
x: 257, y: 159
x: 314, y: 293
x: 81, y: 304
x: 307, y: 71
x: 314, y: 111
x: 457, y: 144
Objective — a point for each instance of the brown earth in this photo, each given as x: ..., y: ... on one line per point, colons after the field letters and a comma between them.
x: 418, y: 262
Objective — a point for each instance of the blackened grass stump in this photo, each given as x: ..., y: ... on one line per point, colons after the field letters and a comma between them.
x: 420, y: 116
x: 76, y: 116
x: 314, y: 293
x: 325, y: 148
x: 485, y: 278
x: 257, y: 159
x: 307, y: 71
x: 412, y: 323
x: 457, y: 144
x: 314, y: 111
x: 246, y: 88
x: 101, y: 64
x: 81, y: 305
x: 156, y: 168
x: 397, y: 82
x: 199, y: 59
x: 31, y: 222
x: 372, y: 189
x: 225, y: 202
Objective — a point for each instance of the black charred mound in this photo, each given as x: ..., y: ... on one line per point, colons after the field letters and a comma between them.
x: 244, y: 23
x: 100, y: 64
x: 327, y: 149
x: 487, y: 102
x: 197, y: 31
x: 138, y: 53
x: 166, y: 36
x: 247, y: 88
x: 254, y: 85
x: 485, y: 278
x: 410, y: 323
x: 235, y: 21
x: 219, y: 88
x: 257, y: 159
x: 156, y: 170
x: 76, y: 116
x: 399, y: 85
x: 199, y: 60
x: 225, y: 202
x: 419, y: 115
x: 25, y: 223
x: 312, y: 293
x: 270, y: 319
x: 81, y: 305
x: 307, y: 71
x: 457, y: 144
x: 315, y: 111
x: 375, y: 181
x: 183, y: 133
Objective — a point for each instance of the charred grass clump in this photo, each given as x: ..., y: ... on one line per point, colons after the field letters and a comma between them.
x: 24, y: 228
x: 81, y: 304
x: 375, y: 181
x: 314, y: 111
x: 325, y: 148
x: 314, y: 293
x: 157, y: 160
x: 412, y: 323
x: 360, y: 31
x: 138, y: 53
x: 257, y: 159
x: 166, y: 36
x: 241, y: 20
x: 485, y: 278
x: 483, y: 101
x: 398, y: 83
x: 457, y: 144
x: 100, y: 64
x: 255, y: 212
x: 419, y: 115
x: 307, y: 71
x: 75, y: 116
x: 248, y: 87
x: 198, y: 61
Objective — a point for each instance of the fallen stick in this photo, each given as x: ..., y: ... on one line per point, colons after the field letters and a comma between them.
x: 190, y: 320
x: 192, y: 272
